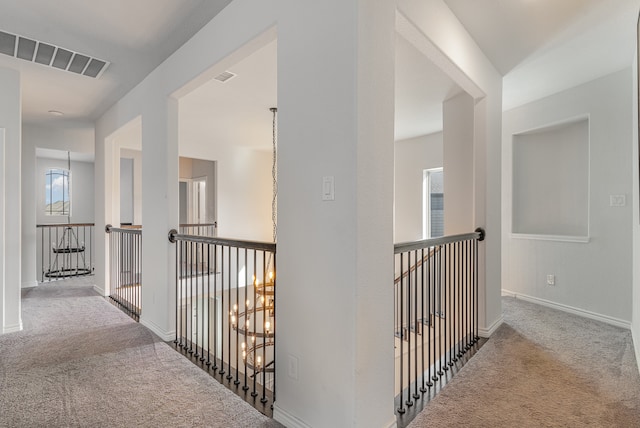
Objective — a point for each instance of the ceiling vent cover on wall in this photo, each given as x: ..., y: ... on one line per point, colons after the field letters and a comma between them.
x: 224, y: 76
x: 50, y: 55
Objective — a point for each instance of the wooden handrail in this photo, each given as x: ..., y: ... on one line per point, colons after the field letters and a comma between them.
x: 416, y: 265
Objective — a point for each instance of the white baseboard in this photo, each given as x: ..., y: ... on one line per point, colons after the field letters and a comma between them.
x: 100, y: 290
x: 393, y: 424
x: 290, y: 421
x: 287, y: 419
x: 569, y: 309
x: 487, y: 332
x: 13, y: 328
x: 166, y: 336
x: 29, y: 284
x: 635, y: 336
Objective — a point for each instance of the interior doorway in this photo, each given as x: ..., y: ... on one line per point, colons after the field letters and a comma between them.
x: 193, y: 200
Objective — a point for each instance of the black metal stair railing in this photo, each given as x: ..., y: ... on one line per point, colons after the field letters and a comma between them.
x: 225, y: 312
x: 199, y: 229
x: 435, y: 311
x: 125, y: 268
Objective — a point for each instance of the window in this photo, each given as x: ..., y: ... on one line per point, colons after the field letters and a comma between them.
x: 433, y: 203
x: 57, y: 192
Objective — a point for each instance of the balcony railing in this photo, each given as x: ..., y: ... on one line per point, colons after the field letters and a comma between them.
x: 125, y: 268
x: 64, y: 250
x: 199, y: 229
x: 225, y: 312
x: 436, y: 311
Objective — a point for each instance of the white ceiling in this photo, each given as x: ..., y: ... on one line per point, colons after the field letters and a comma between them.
x: 544, y: 46
x: 541, y: 46
x: 135, y: 36
x: 237, y: 112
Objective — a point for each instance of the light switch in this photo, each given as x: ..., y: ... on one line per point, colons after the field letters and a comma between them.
x: 328, y: 188
x: 617, y: 200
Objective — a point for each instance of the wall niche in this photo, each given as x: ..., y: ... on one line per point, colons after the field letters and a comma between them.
x: 551, y: 182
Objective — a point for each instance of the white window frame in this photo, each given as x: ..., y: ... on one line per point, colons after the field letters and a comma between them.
x: 47, y: 174
x: 426, y: 201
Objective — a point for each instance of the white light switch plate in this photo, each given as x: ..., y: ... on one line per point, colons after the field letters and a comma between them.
x: 328, y: 188
x: 617, y: 200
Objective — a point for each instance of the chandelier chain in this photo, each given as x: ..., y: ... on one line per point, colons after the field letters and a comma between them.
x: 274, y: 174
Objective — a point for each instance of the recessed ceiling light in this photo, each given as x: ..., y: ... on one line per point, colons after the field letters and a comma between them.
x: 56, y: 113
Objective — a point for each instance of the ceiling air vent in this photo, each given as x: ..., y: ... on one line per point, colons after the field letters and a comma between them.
x: 224, y: 76
x: 51, y: 55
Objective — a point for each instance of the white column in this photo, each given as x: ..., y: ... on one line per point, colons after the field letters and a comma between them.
x: 10, y: 169
x: 458, y: 164
x: 159, y: 214
x: 3, y: 299
x: 335, y: 258
x: 105, y: 157
x: 30, y: 234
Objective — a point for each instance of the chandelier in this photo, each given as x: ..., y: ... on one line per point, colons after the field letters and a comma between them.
x: 256, y: 323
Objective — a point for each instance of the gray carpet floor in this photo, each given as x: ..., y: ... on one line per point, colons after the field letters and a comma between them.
x: 543, y: 368
x: 81, y: 362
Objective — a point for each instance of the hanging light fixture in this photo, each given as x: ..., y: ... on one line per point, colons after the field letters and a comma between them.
x: 258, y: 353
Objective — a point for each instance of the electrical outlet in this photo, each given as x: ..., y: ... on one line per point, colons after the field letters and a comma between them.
x: 551, y: 280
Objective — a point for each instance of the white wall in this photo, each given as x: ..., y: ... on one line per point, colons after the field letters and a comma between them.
x: 136, y: 156
x: 126, y: 190
x: 555, y: 202
x: 243, y: 188
x: 198, y: 168
x: 10, y: 219
x: 635, y: 204
x: 3, y: 299
x: 412, y: 157
x: 593, y: 277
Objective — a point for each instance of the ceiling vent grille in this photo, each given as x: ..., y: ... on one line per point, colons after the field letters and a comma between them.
x: 50, y: 55
x: 224, y: 76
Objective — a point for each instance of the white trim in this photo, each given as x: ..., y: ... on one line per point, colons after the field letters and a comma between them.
x: 393, y: 424
x: 99, y: 290
x: 287, y: 419
x: 29, y: 284
x: 166, y: 336
x: 13, y: 328
x: 569, y: 309
x: 290, y: 421
x: 487, y: 332
x: 636, y: 344
x: 559, y: 238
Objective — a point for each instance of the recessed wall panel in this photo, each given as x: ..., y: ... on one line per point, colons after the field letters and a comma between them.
x: 551, y: 181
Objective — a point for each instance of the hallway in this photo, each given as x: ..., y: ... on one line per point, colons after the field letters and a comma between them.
x: 543, y: 368
x: 81, y: 362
